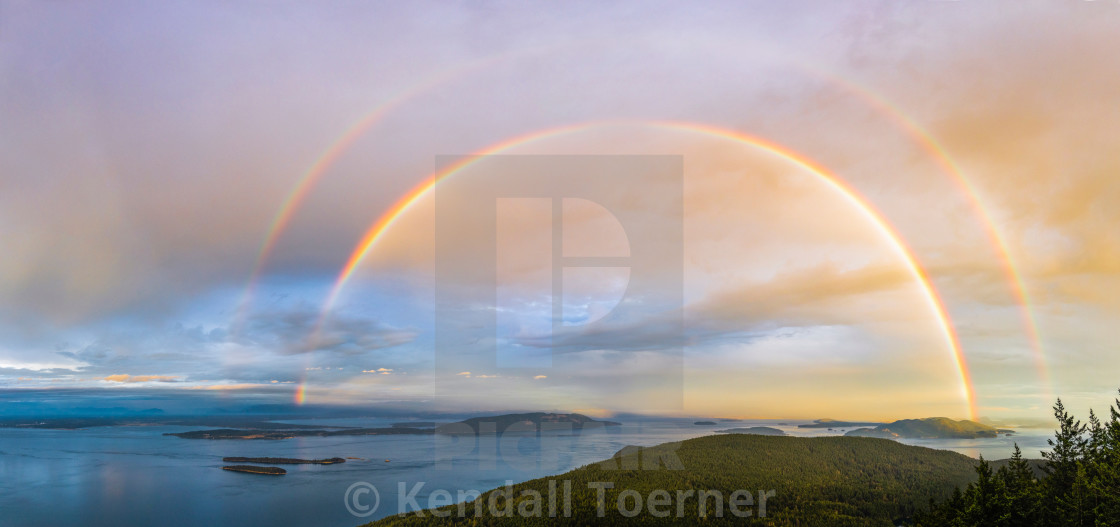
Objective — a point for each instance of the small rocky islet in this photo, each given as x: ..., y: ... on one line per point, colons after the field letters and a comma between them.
x: 284, y: 460
x: 252, y: 469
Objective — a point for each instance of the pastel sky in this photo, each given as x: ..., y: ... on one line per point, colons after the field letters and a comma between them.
x: 147, y: 149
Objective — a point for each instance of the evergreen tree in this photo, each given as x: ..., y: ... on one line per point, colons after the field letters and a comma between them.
x: 1087, y: 488
x: 1095, y: 445
x: 1022, y: 490
x: 1111, y: 447
x: 986, y: 498
x: 936, y: 515
x: 1108, y: 481
x: 1077, y: 507
x: 1067, y: 448
x: 955, y: 510
x: 1062, y: 464
x: 1081, y: 487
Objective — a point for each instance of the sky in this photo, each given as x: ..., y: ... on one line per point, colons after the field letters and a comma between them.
x: 885, y: 209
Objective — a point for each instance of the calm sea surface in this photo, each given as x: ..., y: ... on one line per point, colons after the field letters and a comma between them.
x: 136, y: 476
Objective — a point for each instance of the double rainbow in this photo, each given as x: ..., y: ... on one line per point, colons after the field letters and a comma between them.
x: 931, y: 146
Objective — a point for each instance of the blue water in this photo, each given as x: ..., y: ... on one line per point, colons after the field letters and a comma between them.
x: 134, y: 475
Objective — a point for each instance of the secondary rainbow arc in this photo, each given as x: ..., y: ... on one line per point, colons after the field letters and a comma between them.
x: 941, y: 156
x: 311, y: 177
x: 929, y: 144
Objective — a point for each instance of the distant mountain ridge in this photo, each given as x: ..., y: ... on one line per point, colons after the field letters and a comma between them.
x: 833, y: 423
x: 496, y: 424
x: 527, y: 422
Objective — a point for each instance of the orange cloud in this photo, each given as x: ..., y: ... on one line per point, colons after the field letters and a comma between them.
x: 124, y: 377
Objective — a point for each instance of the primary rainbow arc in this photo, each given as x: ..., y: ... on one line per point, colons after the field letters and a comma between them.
x: 378, y: 229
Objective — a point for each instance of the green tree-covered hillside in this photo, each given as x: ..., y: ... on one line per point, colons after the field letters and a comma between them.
x: 831, y: 481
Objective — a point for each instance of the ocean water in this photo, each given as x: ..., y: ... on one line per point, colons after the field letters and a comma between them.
x: 135, y: 476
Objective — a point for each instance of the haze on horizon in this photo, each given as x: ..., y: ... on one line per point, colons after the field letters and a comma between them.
x: 147, y: 149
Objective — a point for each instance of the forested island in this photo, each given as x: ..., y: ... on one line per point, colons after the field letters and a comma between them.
x: 528, y: 422
x: 232, y: 433
x: 756, y: 430
x: 832, y: 423
x: 250, y: 469
x: 928, y: 428
x: 497, y: 424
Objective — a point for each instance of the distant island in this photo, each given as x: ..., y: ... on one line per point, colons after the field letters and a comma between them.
x: 152, y: 418
x: 529, y: 422
x: 756, y: 430
x: 498, y: 424
x: 705, y: 423
x: 283, y: 460
x: 832, y: 423
x: 233, y: 433
x: 928, y: 428
x: 250, y: 469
